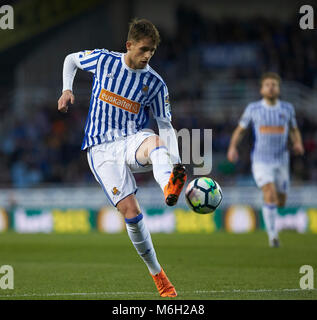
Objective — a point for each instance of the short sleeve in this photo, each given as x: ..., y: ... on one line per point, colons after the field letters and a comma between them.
x: 293, y: 122
x: 160, y: 104
x: 246, y: 117
x: 87, y: 60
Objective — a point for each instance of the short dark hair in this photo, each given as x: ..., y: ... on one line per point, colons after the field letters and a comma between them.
x: 270, y: 75
x: 143, y: 28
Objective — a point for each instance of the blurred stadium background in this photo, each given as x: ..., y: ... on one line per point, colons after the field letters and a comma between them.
x: 211, y: 56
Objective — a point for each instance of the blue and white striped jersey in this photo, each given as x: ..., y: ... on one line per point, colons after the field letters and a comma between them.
x: 121, y: 97
x: 270, y: 127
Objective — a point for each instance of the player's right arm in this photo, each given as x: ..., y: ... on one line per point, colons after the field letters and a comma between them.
x: 238, y: 134
x: 84, y: 60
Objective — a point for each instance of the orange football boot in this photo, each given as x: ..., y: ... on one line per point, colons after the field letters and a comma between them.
x: 175, y: 184
x: 164, y: 286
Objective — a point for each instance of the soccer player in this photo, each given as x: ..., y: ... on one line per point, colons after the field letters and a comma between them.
x: 272, y: 121
x: 125, y: 89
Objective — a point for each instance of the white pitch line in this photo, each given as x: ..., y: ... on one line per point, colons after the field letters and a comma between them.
x: 75, y: 294
x: 54, y: 294
x: 251, y: 290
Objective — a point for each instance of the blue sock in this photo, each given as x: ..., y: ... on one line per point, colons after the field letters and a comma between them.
x: 141, y: 239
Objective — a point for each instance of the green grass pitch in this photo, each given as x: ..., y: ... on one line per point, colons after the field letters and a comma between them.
x: 201, y: 266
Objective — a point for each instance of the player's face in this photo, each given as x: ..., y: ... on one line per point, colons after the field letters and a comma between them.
x: 270, y: 89
x: 140, y: 52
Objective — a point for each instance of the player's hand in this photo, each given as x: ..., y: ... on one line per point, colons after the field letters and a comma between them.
x: 63, y: 102
x: 232, y: 154
x: 298, y: 149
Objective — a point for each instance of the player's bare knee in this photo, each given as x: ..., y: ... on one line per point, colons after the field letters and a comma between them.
x: 155, y: 142
x: 148, y: 145
x: 128, y: 207
x: 270, y: 197
x: 129, y: 213
x: 269, y: 194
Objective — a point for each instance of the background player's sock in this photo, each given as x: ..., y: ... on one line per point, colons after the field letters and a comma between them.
x: 141, y: 239
x: 162, y: 165
x: 269, y: 212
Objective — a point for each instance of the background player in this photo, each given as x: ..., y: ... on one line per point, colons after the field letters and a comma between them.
x: 272, y: 121
x: 125, y: 88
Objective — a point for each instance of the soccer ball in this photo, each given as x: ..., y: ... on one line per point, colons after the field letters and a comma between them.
x: 203, y: 195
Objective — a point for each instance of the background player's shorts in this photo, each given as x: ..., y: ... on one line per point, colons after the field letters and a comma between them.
x: 112, y: 164
x: 264, y: 173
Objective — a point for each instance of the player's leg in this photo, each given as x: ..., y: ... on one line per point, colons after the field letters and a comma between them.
x: 282, y: 184
x: 141, y: 239
x: 281, y: 199
x: 108, y: 164
x: 264, y: 177
x: 139, y: 161
x: 269, y: 211
x: 171, y: 178
x: 161, y: 164
x: 138, y: 232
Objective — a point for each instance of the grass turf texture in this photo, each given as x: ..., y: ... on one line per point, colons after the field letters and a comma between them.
x: 201, y: 266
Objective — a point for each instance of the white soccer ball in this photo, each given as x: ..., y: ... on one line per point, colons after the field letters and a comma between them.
x: 203, y: 195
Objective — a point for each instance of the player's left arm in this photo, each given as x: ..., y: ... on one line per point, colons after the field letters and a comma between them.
x: 161, y: 110
x: 167, y: 134
x: 295, y: 135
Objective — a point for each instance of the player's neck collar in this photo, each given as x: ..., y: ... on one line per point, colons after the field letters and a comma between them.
x: 133, y: 70
x: 276, y: 105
